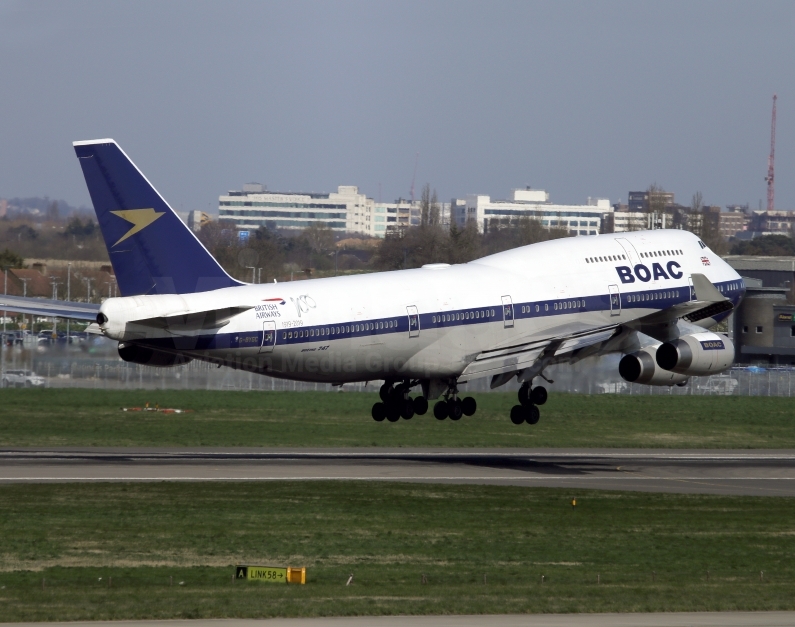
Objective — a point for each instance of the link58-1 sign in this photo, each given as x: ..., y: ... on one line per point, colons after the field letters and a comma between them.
x: 271, y: 574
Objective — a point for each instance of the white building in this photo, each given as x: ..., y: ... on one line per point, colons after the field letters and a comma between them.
x: 534, y: 203
x: 346, y: 211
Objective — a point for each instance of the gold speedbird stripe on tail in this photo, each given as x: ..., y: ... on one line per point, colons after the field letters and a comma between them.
x: 139, y: 218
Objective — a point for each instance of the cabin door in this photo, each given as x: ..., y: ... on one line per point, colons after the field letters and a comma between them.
x: 268, y: 336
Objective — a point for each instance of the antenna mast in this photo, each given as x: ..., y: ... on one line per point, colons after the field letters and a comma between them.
x: 414, y: 176
x: 771, y: 168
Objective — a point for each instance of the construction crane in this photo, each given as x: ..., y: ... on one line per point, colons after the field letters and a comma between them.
x: 771, y: 167
x: 414, y: 176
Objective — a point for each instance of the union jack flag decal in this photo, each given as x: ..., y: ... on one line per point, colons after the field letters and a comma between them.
x: 705, y: 261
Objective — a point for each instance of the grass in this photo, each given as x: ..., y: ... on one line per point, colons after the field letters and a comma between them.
x: 652, y: 552
x: 78, y: 417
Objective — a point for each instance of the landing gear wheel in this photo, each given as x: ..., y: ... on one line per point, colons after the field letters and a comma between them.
x: 517, y: 414
x: 532, y: 414
x: 392, y: 412
x: 538, y: 395
x: 407, y: 409
x: 378, y: 412
x: 455, y: 409
x: 524, y: 395
x: 469, y: 406
x: 385, y: 391
x: 420, y: 405
x: 440, y: 410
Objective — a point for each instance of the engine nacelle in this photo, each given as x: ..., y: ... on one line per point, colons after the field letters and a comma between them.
x: 137, y: 354
x: 697, y: 354
x: 641, y: 367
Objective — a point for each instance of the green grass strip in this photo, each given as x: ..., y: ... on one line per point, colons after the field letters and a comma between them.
x: 79, y: 417
x: 651, y: 552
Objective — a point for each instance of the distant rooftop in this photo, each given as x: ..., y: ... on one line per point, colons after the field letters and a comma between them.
x: 752, y: 262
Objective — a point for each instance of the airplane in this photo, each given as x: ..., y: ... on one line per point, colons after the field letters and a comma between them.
x: 650, y: 296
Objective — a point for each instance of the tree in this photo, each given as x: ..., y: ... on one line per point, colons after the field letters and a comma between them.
x: 434, y: 211
x: 767, y: 246
x: 463, y: 244
x: 52, y: 211
x: 78, y: 228
x: 9, y: 259
x: 425, y: 205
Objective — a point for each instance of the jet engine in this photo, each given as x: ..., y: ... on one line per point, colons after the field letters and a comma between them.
x: 137, y: 354
x: 641, y: 367
x: 697, y: 354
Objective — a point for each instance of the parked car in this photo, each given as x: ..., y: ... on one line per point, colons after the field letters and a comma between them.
x: 22, y: 379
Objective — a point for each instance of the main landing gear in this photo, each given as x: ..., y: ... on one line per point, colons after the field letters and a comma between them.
x: 396, y: 403
x: 529, y: 400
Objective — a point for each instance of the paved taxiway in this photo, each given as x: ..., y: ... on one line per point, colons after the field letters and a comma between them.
x: 678, y: 619
x: 757, y: 472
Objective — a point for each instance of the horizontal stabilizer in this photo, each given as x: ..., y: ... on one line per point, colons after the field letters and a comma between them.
x: 49, y: 308
x: 193, y: 321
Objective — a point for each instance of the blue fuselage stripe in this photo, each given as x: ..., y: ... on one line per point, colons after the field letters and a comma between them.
x: 654, y: 299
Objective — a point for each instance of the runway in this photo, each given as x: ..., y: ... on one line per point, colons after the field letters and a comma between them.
x: 673, y: 619
x: 736, y: 472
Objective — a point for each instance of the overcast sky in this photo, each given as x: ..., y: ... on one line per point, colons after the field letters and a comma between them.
x: 578, y: 98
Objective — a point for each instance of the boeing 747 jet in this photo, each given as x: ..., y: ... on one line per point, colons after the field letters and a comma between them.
x: 650, y: 296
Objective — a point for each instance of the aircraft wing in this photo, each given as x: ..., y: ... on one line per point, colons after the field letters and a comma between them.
x: 502, y: 363
x: 50, y: 308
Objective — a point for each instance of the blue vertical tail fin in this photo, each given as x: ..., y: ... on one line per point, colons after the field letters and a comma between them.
x: 151, y: 249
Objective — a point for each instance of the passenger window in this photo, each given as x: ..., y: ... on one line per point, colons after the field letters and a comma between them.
x: 536, y: 307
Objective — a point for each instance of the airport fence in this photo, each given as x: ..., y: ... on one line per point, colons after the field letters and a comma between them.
x: 95, y: 364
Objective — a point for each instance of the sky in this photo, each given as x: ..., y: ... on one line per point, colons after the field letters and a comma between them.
x: 581, y: 99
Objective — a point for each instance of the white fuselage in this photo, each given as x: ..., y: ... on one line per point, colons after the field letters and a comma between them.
x: 433, y: 321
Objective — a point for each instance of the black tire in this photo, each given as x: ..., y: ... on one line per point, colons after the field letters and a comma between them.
x: 378, y: 412
x: 392, y: 413
x: 538, y: 395
x: 524, y: 395
x: 397, y: 395
x: 455, y: 409
x: 407, y: 409
x: 469, y: 406
x: 518, y: 414
x: 440, y: 410
x: 385, y: 391
x: 532, y: 414
x: 420, y: 405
